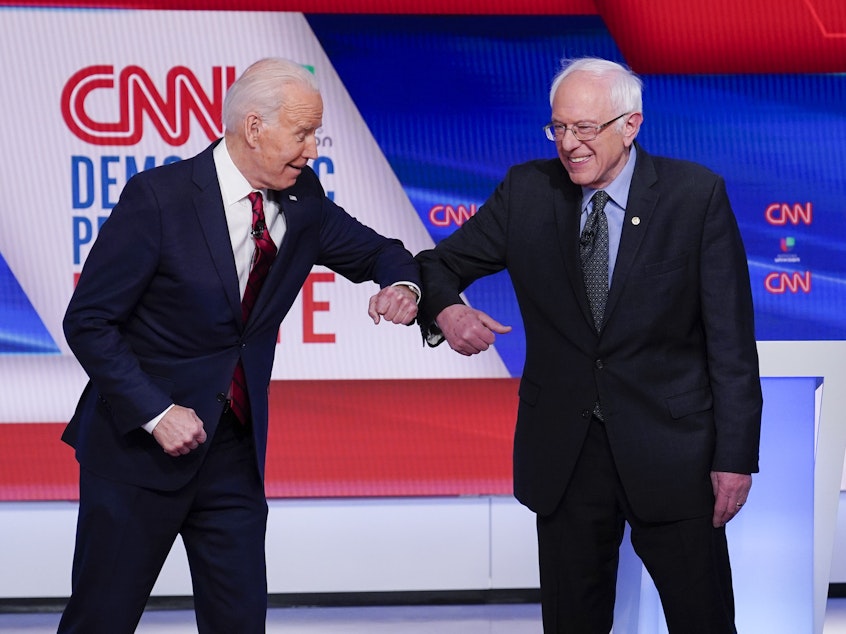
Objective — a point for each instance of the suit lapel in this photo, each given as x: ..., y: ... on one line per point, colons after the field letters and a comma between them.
x: 639, y: 210
x: 568, y: 198
x: 208, y: 205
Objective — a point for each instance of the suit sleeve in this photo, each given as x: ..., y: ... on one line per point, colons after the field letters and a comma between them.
x: 117, y: 270
x: 359, y: 253
x: 728, y: 320
x: 474, y: 250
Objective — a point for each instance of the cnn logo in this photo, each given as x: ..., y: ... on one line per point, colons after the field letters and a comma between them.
x: 781, y: 214
x: 779, y: 283
x: 102, y: 107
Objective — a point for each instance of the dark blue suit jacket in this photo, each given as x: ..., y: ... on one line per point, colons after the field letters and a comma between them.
x: 156, y: 319
x: 675, y: 367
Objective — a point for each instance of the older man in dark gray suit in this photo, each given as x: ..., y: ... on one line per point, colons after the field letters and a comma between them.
x: 640, y: 400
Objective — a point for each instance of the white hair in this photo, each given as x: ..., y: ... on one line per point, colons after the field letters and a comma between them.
x: 626, y: 87
x: 262, y: 89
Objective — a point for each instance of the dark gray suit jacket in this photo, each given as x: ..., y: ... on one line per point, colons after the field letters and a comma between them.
x: 675, y: 367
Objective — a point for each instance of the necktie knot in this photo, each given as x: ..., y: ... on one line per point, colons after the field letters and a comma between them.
x: 599, y: 199
x: 259, y: 225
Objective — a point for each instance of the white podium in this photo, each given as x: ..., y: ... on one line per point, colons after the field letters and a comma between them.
x: 781, y: 544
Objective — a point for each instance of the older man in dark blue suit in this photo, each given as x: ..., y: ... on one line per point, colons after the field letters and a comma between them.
x: 157, y: 323
x: 640, y: 400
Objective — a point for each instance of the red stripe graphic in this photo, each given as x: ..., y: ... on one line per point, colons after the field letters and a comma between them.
x: 446, y: 7
x: 333, y: 439
x: 726, y: 36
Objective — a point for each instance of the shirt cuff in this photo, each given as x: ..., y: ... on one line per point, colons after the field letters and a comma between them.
x: 412, y: 287
x: 152, y: 424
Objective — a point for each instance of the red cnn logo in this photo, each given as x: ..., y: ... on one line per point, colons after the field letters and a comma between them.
x: 137, y: 95
x: 445, y: 215
x: 780, y: 283
x: 782, y: 213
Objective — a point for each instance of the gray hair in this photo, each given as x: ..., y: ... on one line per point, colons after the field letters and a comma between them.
x: 261, y: 89
x: 626, y: 87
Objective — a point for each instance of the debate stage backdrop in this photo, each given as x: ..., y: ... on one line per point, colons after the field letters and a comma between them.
x: 425, y: 109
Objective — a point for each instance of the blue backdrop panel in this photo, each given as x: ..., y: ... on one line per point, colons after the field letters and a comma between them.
x: 454, y: 101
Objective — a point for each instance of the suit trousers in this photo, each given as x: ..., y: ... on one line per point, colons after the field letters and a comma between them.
x: 578, y: 546
x: 125, y: 532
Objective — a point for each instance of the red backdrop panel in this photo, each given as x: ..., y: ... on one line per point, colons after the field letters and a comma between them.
x: 333, y: 439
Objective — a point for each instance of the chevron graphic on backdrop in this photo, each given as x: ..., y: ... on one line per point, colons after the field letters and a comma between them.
x: 21, y: 329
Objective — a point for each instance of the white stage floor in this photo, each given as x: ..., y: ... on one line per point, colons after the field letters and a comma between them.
x: 449, y: 619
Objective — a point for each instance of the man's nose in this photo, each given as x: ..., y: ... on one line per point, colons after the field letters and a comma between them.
x: 568, y: 140
x: 310, y: 151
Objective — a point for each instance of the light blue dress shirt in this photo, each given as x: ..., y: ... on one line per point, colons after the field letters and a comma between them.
x: 615, y: 209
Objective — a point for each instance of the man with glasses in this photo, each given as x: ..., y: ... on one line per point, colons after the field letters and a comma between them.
x: 640, y: 400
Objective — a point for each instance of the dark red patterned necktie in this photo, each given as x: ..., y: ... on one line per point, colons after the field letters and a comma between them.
x: 262, y: 259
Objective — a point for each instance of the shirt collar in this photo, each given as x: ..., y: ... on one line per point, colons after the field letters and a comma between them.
x: 618, y: 189
x: 233, y: 185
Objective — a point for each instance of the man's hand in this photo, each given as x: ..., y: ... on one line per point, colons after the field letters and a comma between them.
x: 730, y: 493
x: 467, y: 330
x: 397, y: 304
x: 179, y: 431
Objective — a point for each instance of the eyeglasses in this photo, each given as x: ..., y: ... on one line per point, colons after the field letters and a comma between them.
x: 582, y: 131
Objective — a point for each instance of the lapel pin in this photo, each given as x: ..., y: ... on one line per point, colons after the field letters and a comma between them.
x: 292, y: 197
x: 635, y: 221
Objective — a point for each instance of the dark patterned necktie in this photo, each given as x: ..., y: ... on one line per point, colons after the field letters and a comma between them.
x: 593, y: 248
x: 262, y: 259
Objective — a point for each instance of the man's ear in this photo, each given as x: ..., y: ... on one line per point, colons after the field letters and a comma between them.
x: 631, y: 127
x: 253, y: 126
